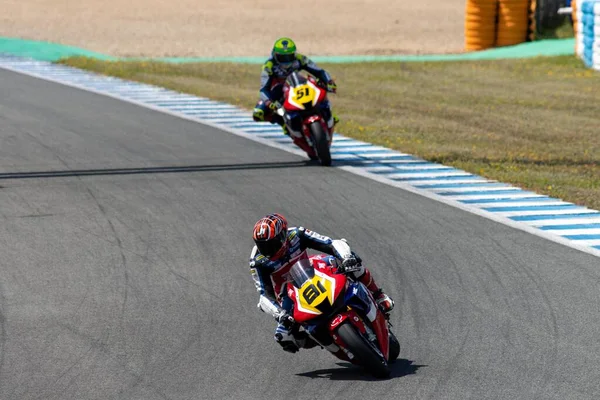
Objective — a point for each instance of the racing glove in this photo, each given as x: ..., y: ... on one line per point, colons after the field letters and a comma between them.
x: 350, y: 264
x: 273, y: 105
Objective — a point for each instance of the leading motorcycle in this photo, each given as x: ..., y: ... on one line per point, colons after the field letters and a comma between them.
x: 327, y: 302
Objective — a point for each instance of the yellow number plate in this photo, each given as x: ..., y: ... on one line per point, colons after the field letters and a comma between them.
x: 304, y: 94
x: 314, y: 292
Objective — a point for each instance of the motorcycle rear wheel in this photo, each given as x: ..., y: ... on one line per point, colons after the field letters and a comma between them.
x: 362, y: 350
x: 321, y: 143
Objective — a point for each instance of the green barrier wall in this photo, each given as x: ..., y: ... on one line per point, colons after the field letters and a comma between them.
x: 47, y: 51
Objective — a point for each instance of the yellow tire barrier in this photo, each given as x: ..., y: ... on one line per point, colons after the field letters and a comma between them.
x: 513, y: 22
x: 480, y: 24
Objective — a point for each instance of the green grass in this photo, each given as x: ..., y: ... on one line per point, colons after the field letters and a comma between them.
x: 534, y: 123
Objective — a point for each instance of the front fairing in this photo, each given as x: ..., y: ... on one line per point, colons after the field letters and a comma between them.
x: 359, y: 299
x: 301, y: 94
x: 317, y: 292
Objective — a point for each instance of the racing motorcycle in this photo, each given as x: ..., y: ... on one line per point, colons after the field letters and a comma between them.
x: 328, y: 302
x: 305, y: 102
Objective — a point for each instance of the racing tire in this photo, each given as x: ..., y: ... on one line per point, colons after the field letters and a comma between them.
x: 546, y: 15
x: 321, y: 143
x: 394, y: 350
x: 362, y: 349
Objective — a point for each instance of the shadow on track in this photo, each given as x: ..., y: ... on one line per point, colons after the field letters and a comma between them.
x: 350, y: 372
x: 154, y: 170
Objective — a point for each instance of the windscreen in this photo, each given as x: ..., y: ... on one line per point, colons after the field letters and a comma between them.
x: 295, y: 79
x: 301, y: 271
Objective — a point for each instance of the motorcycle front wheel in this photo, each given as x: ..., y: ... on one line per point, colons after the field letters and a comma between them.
x: 363, y: 351
x: 394, y: 351
x: 321, y: 143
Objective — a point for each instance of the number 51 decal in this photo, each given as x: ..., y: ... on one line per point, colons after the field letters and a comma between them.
x: 302, y: 91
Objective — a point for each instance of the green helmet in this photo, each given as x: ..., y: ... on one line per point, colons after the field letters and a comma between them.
x: 284, y: 51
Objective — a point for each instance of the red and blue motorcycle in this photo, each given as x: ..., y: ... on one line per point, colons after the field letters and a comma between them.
x: 331, y: 302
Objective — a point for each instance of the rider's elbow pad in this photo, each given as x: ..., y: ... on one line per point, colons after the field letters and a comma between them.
x: 342, y: 248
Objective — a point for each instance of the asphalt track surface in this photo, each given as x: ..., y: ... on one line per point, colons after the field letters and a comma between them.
x: 135, y: 285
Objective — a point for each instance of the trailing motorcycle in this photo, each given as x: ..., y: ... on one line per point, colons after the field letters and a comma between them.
x: 304, y: 112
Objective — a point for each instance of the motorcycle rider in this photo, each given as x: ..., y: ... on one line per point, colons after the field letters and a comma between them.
x: 277, y: 248
x: 285, y: 60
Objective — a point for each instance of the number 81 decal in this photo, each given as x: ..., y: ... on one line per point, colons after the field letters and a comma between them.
x: 314, y: 292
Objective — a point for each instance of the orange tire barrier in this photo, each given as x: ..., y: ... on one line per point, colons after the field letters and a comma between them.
x: 480, y: 24
x: 513, y: 22
x: 532, y: 21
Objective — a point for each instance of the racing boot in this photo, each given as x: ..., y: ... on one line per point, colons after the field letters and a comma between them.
x: 385, y: 302
x: 283, y: 336
x: 292, y: 340
x: 278, y: 119
x: 336, y: 119
x: 281, y: 123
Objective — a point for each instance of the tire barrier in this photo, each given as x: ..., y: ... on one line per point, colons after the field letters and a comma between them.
x: 513, y: 22
x: 497, y: 23
x: 532, y: 22
x: 480, y: 24
x: 588, y: 31
x: 546, y: 14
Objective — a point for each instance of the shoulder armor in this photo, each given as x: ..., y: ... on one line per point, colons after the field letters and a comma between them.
x: 268, y: 67
x: 302, y: 58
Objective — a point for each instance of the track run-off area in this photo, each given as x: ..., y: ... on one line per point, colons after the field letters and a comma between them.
x: 124, y: 270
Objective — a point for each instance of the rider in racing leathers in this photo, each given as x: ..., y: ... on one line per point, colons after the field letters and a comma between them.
x: 284, y: 60
x: 277, y: 248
